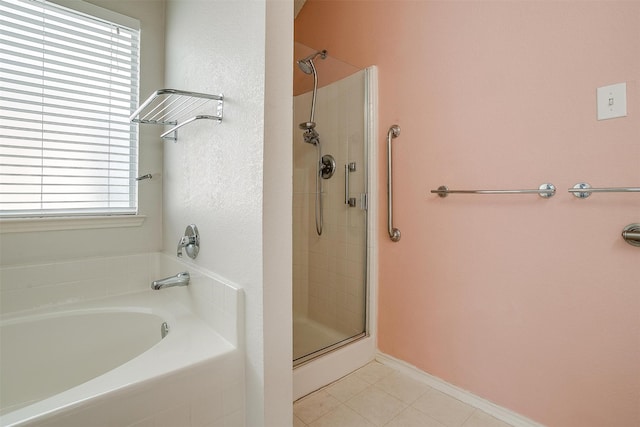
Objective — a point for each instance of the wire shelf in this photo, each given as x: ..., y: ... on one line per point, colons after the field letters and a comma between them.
x: 177, y: 108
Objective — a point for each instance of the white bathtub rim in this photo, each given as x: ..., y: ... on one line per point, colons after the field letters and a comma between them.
x: 41, y: 314
x: 181, y: 349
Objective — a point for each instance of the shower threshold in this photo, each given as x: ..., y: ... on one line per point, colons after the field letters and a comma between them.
x: 312, y: 340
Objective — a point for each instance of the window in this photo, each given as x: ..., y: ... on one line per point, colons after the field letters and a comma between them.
x: 68, y: 83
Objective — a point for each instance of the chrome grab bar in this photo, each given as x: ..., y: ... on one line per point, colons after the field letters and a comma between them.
x: 351, y: 201
x: 394, y: 233
x: 582, y: 190
x: 545, y: 190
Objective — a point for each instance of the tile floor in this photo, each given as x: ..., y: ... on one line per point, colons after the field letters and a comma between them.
x: 377, y: 396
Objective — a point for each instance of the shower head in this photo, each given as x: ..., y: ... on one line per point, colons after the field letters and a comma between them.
x: 306, y: 64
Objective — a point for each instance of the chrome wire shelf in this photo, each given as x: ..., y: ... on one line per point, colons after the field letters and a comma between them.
x: 176, y: 108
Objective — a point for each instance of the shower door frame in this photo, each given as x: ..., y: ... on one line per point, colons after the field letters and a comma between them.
x: 336, y: 361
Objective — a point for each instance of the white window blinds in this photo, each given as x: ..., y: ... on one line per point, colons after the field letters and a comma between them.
x: 68, y: 83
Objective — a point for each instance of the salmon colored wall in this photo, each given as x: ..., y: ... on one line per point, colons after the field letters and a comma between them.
x: 530, y: 303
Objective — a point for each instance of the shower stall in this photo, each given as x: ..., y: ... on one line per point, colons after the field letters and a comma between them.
x: 332, y: 212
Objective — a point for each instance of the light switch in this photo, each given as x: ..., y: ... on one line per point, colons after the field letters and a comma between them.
x: 612, y: 101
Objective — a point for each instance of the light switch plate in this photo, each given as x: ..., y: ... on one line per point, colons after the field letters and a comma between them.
x: 612, y: 101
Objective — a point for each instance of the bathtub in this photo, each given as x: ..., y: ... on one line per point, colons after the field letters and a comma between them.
x: 143, y: 357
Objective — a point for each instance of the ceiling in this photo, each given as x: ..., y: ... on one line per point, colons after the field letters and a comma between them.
x: 297, y: 5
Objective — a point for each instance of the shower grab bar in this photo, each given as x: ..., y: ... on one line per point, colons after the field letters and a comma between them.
x: 582, y: 190
x: 545, y: 190
x: 394, y: 233
x: 351, y: 201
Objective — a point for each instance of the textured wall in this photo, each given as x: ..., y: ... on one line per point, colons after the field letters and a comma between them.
x: 530, y: 303
x: 215, y: 174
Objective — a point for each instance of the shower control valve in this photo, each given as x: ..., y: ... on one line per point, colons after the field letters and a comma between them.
x: 190, y: 242
x: 327, y: 166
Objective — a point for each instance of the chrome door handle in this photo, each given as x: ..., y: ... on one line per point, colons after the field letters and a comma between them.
x: 351, y: 201
x: 394, y: 233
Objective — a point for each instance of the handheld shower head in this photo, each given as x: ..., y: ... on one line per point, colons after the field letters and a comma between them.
x: 306, y: 64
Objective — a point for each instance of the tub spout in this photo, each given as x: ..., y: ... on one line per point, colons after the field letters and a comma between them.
x: 180, y: 279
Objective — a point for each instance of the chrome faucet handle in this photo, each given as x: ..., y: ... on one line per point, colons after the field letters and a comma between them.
x: 184, y: 241
x: 190, y: 242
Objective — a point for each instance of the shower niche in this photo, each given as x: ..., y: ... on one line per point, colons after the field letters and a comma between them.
x: 330, y: 267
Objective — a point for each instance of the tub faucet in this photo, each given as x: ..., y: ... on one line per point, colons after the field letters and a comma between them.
x: 180, y: 279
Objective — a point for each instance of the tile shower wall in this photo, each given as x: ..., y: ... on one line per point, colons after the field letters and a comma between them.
x: 301, y: 224
x: 329, y: 270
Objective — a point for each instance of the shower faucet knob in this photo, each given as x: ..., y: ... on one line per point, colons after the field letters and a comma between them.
x: 327, y: 166
x: 190, y: 242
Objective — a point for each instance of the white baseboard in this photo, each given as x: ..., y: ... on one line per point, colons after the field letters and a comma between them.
x: 469, y: 398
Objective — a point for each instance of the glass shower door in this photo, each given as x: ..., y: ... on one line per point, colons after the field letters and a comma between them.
x: 329, y: 270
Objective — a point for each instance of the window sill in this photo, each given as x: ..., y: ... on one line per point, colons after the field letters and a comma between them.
x: 25, y: 225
